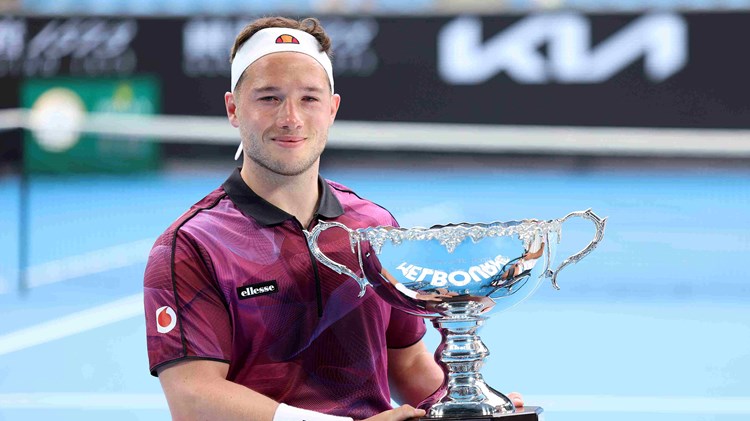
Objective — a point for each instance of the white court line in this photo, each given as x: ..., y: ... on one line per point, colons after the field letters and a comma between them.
x: 550, y: 403
x: 81, y: 321
x: 90, y: 263
x: 72, y: 267
x: 116, y: 401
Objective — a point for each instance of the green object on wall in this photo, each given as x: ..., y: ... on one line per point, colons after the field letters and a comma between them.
x: 58, y: 108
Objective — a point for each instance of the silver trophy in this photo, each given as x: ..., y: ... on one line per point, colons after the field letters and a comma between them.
x: 457, y: 276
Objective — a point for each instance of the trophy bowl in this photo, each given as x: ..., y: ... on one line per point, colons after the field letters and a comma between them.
x: 458, y: 275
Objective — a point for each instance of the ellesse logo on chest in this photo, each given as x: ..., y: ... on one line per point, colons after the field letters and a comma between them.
x: 255, y: 290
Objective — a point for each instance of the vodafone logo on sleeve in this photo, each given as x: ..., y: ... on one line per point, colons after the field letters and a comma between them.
x: 166, y: 319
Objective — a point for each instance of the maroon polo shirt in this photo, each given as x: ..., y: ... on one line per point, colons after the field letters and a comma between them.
x: 233, y: 280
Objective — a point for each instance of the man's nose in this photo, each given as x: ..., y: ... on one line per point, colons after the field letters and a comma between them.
x: 289, y: 116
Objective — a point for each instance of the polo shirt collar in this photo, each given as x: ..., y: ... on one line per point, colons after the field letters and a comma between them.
x: 254, y: 206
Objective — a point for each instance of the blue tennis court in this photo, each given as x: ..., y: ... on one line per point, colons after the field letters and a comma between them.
x: 654, y: 324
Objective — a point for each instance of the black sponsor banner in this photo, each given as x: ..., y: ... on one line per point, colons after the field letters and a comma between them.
x: 661, y: 70
x: 638, y: 70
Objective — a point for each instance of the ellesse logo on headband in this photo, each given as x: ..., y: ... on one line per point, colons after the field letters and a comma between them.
x: 286, y: 39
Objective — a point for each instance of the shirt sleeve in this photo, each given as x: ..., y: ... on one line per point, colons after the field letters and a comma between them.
x: 186, y: 314
x: 404, y: 330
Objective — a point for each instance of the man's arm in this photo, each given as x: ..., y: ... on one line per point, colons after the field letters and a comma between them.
x: 413, y: 374
x: 198, y: 390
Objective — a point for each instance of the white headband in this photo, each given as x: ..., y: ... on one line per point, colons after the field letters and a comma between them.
x: 275, y: 40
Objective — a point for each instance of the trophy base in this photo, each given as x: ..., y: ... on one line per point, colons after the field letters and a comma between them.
x: 526, y: 413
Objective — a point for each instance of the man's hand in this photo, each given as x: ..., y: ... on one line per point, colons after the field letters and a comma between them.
x: 516, y: 398
x: 401, y: 413
x: 405, y: 412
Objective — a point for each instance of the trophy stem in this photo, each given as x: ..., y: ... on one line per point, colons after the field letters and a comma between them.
x: 461, y: 354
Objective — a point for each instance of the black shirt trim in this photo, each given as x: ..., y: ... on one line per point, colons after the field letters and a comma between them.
x: 254, y: 206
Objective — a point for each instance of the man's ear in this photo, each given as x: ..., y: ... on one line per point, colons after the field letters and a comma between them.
x: 231, y: 106
x: 335, y: 103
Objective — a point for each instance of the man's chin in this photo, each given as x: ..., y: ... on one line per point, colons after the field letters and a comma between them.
x: 286, y: 170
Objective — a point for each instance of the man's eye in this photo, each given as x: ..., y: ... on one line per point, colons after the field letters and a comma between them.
x: 267, y: 98
x: 310, y: 99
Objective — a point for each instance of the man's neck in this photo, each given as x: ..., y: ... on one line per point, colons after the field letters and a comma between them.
x: 297, y: 195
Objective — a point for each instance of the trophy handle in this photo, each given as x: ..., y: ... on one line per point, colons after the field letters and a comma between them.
x: 312, y: 242
x: 599, y: 223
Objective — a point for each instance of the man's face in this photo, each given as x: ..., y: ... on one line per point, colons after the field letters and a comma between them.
x: 283, y: 109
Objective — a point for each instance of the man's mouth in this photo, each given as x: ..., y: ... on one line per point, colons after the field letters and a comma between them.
x: 288, y: 141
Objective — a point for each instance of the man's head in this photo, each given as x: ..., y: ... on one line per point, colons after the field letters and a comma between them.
x: 282, y: 98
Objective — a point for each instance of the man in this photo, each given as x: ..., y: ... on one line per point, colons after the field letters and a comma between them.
x: 242, y: 322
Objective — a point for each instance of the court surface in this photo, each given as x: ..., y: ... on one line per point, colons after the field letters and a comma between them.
x: 653, y: 325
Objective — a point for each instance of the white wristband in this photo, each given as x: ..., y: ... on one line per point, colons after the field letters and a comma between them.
x: 289, y: 413
x: 406, y: 291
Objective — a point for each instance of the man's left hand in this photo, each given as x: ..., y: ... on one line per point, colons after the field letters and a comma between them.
x: 516, y: 398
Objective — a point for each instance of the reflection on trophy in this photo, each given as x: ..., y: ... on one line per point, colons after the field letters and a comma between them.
x: 457, y: 276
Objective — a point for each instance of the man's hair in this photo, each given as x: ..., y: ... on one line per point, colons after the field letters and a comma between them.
x: 310, y: 25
